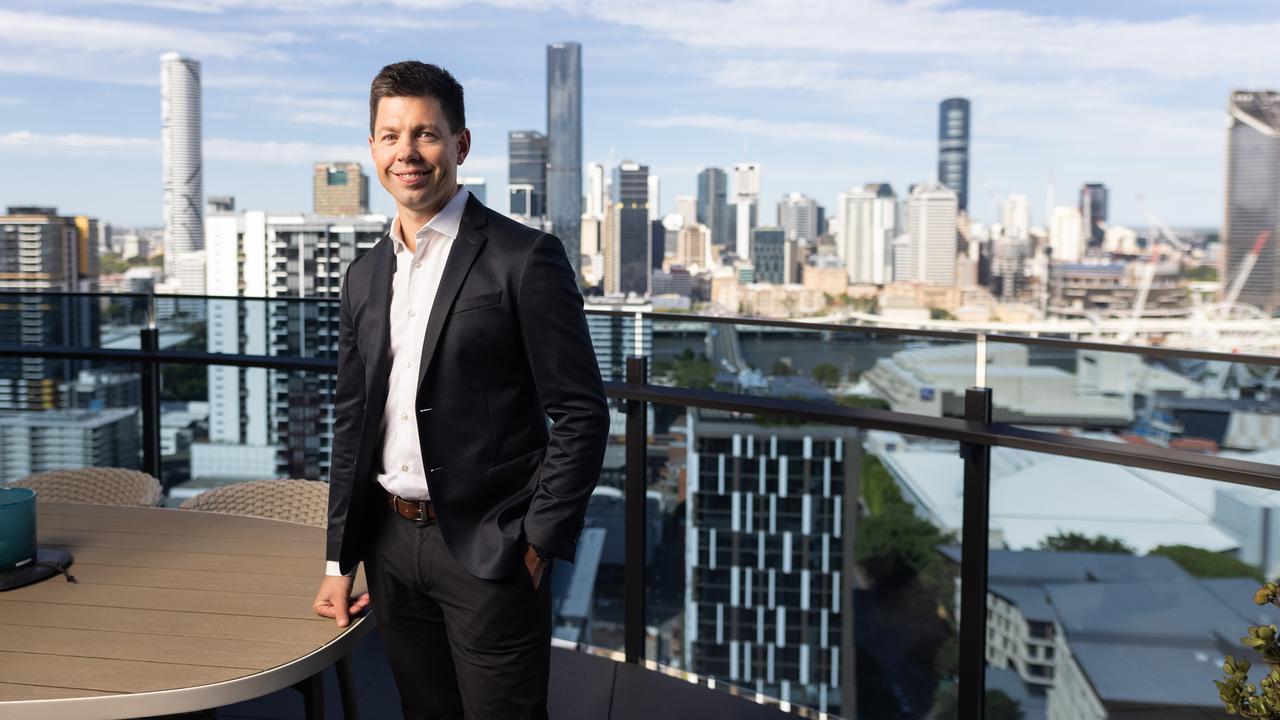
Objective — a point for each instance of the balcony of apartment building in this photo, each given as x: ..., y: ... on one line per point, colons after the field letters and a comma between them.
x: 814, y: 520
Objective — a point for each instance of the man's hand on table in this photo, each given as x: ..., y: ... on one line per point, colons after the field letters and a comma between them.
x: 334, y: 600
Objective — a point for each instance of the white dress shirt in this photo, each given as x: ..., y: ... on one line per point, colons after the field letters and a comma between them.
x: 413, y: 292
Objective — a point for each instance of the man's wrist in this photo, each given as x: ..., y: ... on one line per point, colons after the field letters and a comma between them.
x: 542, y: 554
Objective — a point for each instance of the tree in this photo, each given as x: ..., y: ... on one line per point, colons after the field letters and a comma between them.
x: 111, y: 264
x: 878, y: 488
x: 691, y: 371
x: 1206, y: 563
x: 782, y: 367
x: 896, y: 545
x: 997, y: 705
x: 827, y: 375
x: 940, y: 314
x: 1203, y: 273
x: 1261, y: 701
x: 1079, y: 542
x: 862, y: 401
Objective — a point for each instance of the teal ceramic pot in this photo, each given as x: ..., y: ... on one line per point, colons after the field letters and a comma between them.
x: 17, y: 527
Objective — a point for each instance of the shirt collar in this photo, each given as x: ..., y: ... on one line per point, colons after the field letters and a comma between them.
x: 445, y: 223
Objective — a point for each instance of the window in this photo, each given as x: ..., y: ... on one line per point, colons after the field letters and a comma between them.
x: 337, y: 177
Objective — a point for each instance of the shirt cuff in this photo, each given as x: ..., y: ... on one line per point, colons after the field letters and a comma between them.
x: 331, y: 568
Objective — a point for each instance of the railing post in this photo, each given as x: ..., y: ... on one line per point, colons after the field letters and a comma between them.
x: 973, y: 560
x: 150, y: 342
x: 634, y: 493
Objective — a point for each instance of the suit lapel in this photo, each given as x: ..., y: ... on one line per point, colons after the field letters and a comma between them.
x: 378, y: 314
x: 463, y: 253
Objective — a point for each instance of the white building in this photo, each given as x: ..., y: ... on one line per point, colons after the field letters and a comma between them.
x: 596, y: 190
x: 180, y: 139
x: 931, y: 223
x: 800, y: 218
x: 1066, y: 234
x: 655, y: 197
x: 687, y: 208
x: 32, y: 442
x: 1016, y: 217
x: 867, y: 222
x: 744, y: 192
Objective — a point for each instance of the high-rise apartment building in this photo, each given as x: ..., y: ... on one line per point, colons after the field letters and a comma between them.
x: 693, y: 247
x: 526, y: 173
x: 1067, y: 234
x: 713, y: 204
x: 953, y: 148
x: 687, y: 208
x: 564, y: 145
x: 655, y: 198
x: 1015, y: 217
x: 627, y: 262
x: 36, y: 442
x: 746, y: 202
x: 339, y: 188
x: 770, y: 522
x: 180, y: 140
x: 1093, y: 211
x: 43, y: 251
x: 931, y: 223
x: 255, y: 255
x: 801, y: 217
x: 867, y: 224
x: 771, y: 255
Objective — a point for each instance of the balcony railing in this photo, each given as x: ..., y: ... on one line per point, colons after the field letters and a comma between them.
x: 974, y: 391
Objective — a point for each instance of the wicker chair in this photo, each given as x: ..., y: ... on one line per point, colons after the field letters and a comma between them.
x: 95, y: 485
x: 300, y: 501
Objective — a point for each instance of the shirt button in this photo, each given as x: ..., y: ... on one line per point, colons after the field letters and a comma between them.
x: 404, y: 416
x: 404, y: 468
x: 408, y: 363
x: 413, y: 314
x: 417, y: 264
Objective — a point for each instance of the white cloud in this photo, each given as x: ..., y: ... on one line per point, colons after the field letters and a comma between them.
x: 269, y: 152
x: 779, y: 129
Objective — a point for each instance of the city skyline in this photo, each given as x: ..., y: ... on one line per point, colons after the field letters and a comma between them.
x: 1133, y: 98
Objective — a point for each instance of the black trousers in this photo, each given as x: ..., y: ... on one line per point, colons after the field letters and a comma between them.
x: 459, y: 646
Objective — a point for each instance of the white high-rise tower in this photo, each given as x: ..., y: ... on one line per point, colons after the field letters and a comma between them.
x: 180, y: 138
x: 746, y: 196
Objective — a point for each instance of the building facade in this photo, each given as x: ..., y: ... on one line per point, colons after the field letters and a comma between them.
x: 1253, y: 197
x: 771, y: 255
x: 713, y: 204
x: 746, y: 205
x: 180, y: 139
x: 867, y: 224
x: 339, y: 188
x: 564, y: 145
x: 628, y: 267
x: 931, y: 224
x: 953, y: 148
x: 1093, y: 213
x: 526, y: 173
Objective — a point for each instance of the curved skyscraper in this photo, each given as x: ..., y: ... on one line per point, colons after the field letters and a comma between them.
x: 953, y: 147
x: 180, y: 138
x: 564, y: 146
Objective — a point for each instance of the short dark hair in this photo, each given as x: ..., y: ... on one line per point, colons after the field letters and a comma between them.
x: 411, y: 78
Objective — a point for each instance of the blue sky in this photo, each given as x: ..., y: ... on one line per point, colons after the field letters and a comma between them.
x: 826, y: 95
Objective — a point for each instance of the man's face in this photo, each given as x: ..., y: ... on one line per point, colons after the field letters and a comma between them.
x: 416, y: 153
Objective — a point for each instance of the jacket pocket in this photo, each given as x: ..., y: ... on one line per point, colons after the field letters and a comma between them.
x: 475, y: 302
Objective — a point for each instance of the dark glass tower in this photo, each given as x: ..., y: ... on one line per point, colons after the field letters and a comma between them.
x: 1093, y: 210
x: 713, y: 203
x: 564, y: 146
x: 527, y: 172
x: 631, y: 200
x: 1253, y: 196
x: 953, y: 147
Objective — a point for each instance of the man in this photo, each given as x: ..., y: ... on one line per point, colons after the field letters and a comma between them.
x: 461, y: 333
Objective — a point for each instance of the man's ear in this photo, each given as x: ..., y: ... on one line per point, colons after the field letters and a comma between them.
x: 464, y: 145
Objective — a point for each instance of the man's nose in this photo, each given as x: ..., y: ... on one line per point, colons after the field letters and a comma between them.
x: 406, y: 151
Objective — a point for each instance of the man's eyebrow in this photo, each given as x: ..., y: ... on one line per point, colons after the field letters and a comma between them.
x: 425, y: 126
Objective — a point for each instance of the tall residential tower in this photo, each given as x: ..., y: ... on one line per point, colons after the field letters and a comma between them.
x: 1253, y: 196
x: 180, y: 138
x: 564, y: 146
x: 953, y: 148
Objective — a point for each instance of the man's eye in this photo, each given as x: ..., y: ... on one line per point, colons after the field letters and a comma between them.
x: 388, y: 138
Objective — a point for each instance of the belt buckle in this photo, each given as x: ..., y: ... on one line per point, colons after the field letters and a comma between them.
x: 420, y: 505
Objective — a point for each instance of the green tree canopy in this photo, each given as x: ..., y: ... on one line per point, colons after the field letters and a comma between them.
x: 1206, y: 563
x: 827, y: 375
x: 1203, y: 273
x: 1079, y: 542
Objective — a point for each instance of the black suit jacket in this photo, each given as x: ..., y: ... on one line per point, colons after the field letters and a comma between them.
x: 506, y: 348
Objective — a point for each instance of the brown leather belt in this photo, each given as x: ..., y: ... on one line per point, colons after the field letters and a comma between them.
x: 420, y: 510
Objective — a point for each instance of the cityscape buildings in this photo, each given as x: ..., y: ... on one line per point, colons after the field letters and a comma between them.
x: 527, y: 174
x: 180, y: 140
x: 931, y: 225
x: 1252, y: 214
x: 746, y: 202
x: 771, y: 255
x: 713, y: 204
x: 1066, y: 234
x: 867, y: 222
x: 1093, y: 212
x: 628, y: 267
x: 953, y: 148
x: 801, y: 217
x: 339, y: 188
x: 564, y: 145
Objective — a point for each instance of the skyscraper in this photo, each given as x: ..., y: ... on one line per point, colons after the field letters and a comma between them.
x: 931, y: 223
x: 770, y: 254
x: 1066, y: 234
x: 597, y: 198
x: 655, y: 198
x: 1253, y: 196
x: 627, y: 263
x: 713, y: 204
x: 746, y: 200
x: 953, y: 148
x: 564, y: 145
x: 180, y: 139
x: 868, y: 222
x: 801, y: 217
x: 1093, y: 211
x: 527, y: 173
x: 1016, y: 217
x: 339, y: 188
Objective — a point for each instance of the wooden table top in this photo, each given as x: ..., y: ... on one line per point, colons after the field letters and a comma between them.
x: 175, y: 611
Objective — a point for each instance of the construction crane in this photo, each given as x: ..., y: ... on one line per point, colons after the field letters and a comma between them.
x: 1246, y: 268
x: 1163, y: 229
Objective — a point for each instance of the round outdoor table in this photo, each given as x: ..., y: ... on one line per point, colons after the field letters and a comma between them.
x: 175, y: 611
